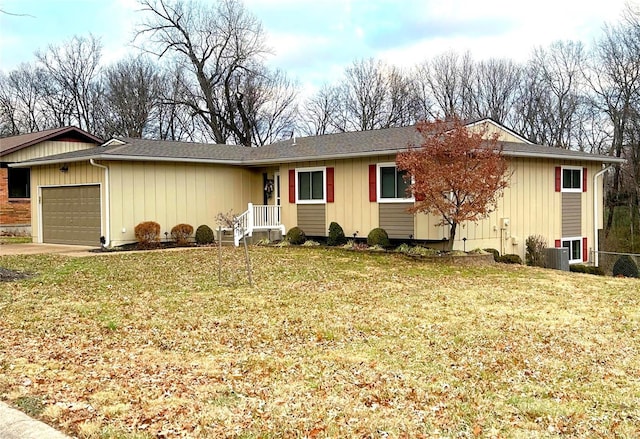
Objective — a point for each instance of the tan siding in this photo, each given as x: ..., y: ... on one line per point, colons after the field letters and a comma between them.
x: 503, y: 135
x: 571, y: 214
x: 43, y: 149
x: 173, y: 193
x: 311, y: 219
x: 531, y: 204
x: 396, y: 221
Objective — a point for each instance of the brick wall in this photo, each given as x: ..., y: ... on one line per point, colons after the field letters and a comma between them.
x: 15, y: 211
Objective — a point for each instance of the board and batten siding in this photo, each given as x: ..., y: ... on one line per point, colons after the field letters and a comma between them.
x: 174, y: 193
x: 396, y: 221
x: 77, y: 174
x: 351, y: 207
x: 312, y: 219
x: 46, y: 148
x: 533, y: 208
x: 571, y: 214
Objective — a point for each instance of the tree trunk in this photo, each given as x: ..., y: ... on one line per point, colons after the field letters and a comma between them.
x: 452, y: 236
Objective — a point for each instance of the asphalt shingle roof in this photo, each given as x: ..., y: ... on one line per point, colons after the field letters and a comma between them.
x: 15, y: 143
x: 330, y: 146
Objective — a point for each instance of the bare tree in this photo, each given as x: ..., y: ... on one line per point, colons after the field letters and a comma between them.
x: 221, y: 47
x: 615, y: 80
x: 73, y: 67
x: 495, y: 90
x: 132, y: 93
x: 560, y: 70
x: 448, y: 79
x: 321, y: 110
x: 271, y: 106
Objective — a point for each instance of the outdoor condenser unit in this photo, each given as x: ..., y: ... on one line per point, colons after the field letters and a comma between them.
x: 557, y: 258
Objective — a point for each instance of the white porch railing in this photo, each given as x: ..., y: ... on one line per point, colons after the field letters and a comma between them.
x: 257, y: 218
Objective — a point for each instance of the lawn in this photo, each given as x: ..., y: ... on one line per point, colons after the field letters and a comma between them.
x: 329, y: 343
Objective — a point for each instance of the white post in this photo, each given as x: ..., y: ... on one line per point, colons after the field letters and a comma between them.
x: 250, y: 219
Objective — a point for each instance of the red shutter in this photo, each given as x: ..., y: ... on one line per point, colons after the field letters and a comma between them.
x: 584, y: 179
x: 558, y: 178
x: 585, y: 251
x: 292, y: 186
x: 330, y: 172
x: 372, y: 183
x: 558, y: 243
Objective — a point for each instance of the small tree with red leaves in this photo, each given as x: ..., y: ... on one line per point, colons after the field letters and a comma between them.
x: 456, y: 173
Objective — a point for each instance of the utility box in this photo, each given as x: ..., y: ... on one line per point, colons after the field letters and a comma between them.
x: 557, y: 258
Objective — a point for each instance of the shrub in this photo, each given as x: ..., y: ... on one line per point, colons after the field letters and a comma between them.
x: 147, y: 233
x: 589, y: 269
x: 204, y: 235
x: 625, y: 266
x: 181, y: 233
x: 535, y: 252
x: 496, y: 253
x: 378, y: 237
x: 336, y: 235
x: 296, y: 236
x: 510, y: 259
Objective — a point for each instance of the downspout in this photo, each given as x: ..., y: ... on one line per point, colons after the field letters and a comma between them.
x: 107, y: 242
x: 595, y: 212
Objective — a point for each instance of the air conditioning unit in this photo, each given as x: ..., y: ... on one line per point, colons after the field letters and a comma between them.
x: 557, y: 258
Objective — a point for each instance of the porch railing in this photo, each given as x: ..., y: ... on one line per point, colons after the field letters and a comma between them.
x: 257, y: 217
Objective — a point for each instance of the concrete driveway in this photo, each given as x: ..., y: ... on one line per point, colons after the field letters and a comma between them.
x: 35, y: 249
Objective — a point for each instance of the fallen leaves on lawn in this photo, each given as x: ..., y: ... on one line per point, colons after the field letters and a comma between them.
x: 329, y: 344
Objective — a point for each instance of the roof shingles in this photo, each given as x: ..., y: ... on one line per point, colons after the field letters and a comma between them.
x: 330, y: 146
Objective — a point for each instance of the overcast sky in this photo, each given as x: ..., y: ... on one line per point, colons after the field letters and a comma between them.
x: 313, y: 40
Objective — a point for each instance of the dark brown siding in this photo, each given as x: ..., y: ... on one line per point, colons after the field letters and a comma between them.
x: 571, y: 214
x: 395, y: 219
x: 311, y: 219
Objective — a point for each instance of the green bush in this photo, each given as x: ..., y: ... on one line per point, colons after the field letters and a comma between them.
x: 204, y: 235
x: 336, y: 235
x: 589, y: 269
x: 494, y: 252
x: 625, y: 266
x: 296, y: 236
x: 181, y: 233
x: 147, y: 233
x: 378, y: 237
x: 535, y: 253
x: 510, y: 259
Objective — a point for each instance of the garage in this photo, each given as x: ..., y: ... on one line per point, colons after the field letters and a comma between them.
x: 71, y: 215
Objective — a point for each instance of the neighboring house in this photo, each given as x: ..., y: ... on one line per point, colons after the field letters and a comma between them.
x: 350, y: 178
x: 15, y: 188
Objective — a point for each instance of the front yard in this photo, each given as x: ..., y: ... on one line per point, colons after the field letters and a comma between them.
x: 330, y: 343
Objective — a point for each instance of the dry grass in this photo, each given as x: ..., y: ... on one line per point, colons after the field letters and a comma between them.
x: 329, y: 344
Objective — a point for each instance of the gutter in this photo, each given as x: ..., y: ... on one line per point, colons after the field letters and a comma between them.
x: 107, y: 239
x: 595, y: 211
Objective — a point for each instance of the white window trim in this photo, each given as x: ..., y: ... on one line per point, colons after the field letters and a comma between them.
x: 574, y: 238
x: 379, y: 186
x: 573, y: 168
x: 324, y: 185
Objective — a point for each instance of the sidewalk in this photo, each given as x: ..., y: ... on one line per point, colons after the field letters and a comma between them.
x: 35, y: 249
x: 16, y: 425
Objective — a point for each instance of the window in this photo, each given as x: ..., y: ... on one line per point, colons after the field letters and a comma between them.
x: 571, y: 179
x: 310, y: 185
x: 19, y: 183
x: 392, y: 185
x: 575, y: 249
